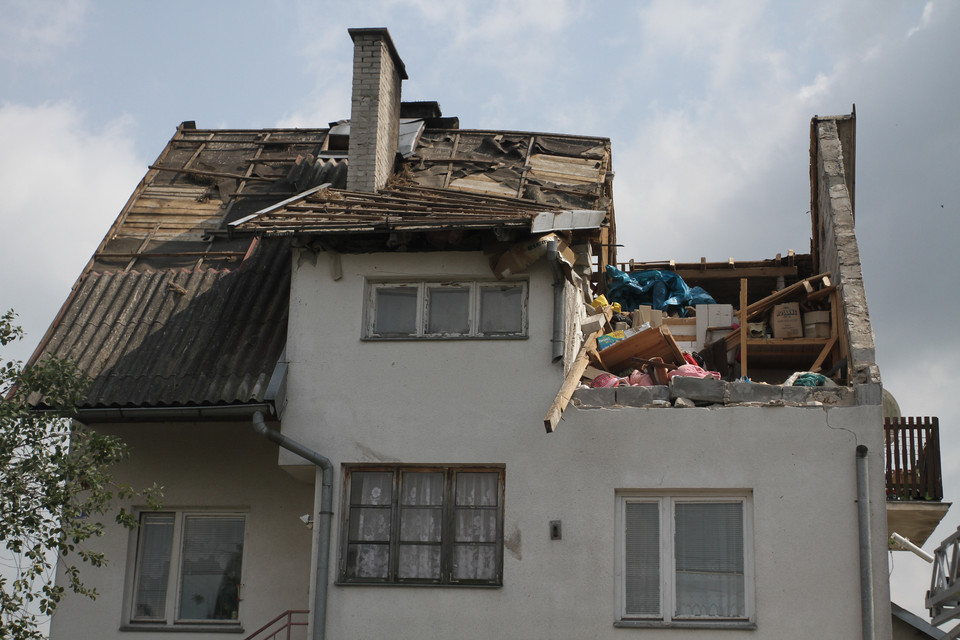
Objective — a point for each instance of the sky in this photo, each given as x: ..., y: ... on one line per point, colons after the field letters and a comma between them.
x: 707, y: 105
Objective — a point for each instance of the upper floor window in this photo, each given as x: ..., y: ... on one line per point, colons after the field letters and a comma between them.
x: 684, y: 560
x: 422, y: 525
x: 454, y: 309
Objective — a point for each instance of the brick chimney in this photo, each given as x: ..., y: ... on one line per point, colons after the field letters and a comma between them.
x: 374, y: 109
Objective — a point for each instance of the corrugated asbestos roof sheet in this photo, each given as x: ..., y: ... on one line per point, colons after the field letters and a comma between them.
x: 177, y: 308
x: 179, y: 337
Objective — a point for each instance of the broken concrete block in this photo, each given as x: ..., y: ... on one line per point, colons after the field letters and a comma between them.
x: 684, y: 402
x: 796, y: 395
x: 592, y: 324
x: 599, y: 397
x: 698, y: 389
x: 740, y: 392
x: 642, y: 396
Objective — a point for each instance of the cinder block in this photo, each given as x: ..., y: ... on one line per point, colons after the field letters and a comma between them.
x: 641, y: 396
x: 698, y: 389
x: 739, y: 392
x: 599, y: 397
x: 796, y: 395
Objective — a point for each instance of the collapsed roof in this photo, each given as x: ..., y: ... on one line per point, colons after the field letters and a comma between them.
x: 184, y: 303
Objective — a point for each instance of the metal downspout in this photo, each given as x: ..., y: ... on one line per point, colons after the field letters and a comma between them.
x: 321, y: 526
x: 866, y: 550
x: 558, y: 283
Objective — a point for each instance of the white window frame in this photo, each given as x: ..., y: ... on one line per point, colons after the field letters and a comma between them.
x: 421, y: 332
x: 171, y: 613
x: 666, y: 502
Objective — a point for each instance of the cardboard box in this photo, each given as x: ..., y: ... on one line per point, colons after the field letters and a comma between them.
x: 785, y: 321
x: 816, y: 324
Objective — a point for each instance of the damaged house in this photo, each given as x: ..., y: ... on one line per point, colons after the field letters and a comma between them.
x: 337, y: 350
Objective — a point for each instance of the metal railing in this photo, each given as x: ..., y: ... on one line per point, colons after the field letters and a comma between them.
x: 913, y: 459
x: 281, y: 627
x: 943, y: 598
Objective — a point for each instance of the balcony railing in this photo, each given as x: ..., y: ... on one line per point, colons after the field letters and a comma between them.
x: 913, y: 459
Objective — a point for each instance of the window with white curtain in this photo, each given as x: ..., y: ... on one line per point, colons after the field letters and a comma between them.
x: 188, y: 568
x: 445, y: 310
x: 684, y: 559
x: 422, y: 525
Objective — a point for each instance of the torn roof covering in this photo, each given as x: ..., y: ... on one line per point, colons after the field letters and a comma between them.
x: 170, y: 310
x: 464, y: 180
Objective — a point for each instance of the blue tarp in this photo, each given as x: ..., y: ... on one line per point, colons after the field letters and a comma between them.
x: 663, y: 290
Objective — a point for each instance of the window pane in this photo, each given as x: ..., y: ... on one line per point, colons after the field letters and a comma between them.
x: 477, y: 489
x: 371, y: 487
x: 709, y: 559
x: 153, y: 566
x: 448, y: 309
x: 501, y: 310
x: 368, y: 560
x: 371, y: 525
x: 474, y: 562
x: 396, y: 311
x: 642, y: 559
x: 419, y: 561
x: 211, y: 559
x: 419, y: 488
x: 476, y: 525
x: 420, y: 525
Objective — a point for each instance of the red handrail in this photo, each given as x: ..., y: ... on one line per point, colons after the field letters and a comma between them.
x: 289, y: 622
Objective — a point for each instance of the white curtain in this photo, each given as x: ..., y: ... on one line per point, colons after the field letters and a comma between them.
x: 475, y: 526
x: 153, y: 565
x: 642, y: 559
x: 371, y: 494
x: 708, y: 549
x: 421, y: 525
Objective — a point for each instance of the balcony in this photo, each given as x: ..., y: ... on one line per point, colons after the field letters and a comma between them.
x: 913, y: 477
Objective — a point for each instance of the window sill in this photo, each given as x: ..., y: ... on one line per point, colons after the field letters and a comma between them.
x: 685, y: 624
x: 439, y: 338
x: 428, y: 585
x: 216, y: 627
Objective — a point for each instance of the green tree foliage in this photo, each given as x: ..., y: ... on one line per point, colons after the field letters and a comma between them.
x: 56, y: 488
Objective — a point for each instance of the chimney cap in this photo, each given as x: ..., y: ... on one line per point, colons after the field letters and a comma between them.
x: 385, y: 35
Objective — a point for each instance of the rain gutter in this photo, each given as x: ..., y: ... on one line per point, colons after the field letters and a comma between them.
x: 558, y: 285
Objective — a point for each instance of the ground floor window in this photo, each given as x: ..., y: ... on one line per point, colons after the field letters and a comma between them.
x: 684, y: 558
x: 422, y: 525
x: 188, y: 567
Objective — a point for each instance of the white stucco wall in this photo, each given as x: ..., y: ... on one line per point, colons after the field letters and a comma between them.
x: 215, y: 465
x: 484, y: 402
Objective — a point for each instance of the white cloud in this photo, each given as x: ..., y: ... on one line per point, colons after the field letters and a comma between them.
x: 33, y: 30
x: 925, y: 20
x: 61, y: 187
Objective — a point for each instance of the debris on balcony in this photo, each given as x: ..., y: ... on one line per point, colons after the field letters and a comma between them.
x: 654, y: 340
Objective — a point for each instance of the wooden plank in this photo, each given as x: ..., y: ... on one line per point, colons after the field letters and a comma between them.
x: 572, y: 380
x: 841, y: 333
x: 743, y: 327
x: 818, y: 363
x: 760, y: 307
x: 570, y: 383
x: 212, y: 174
